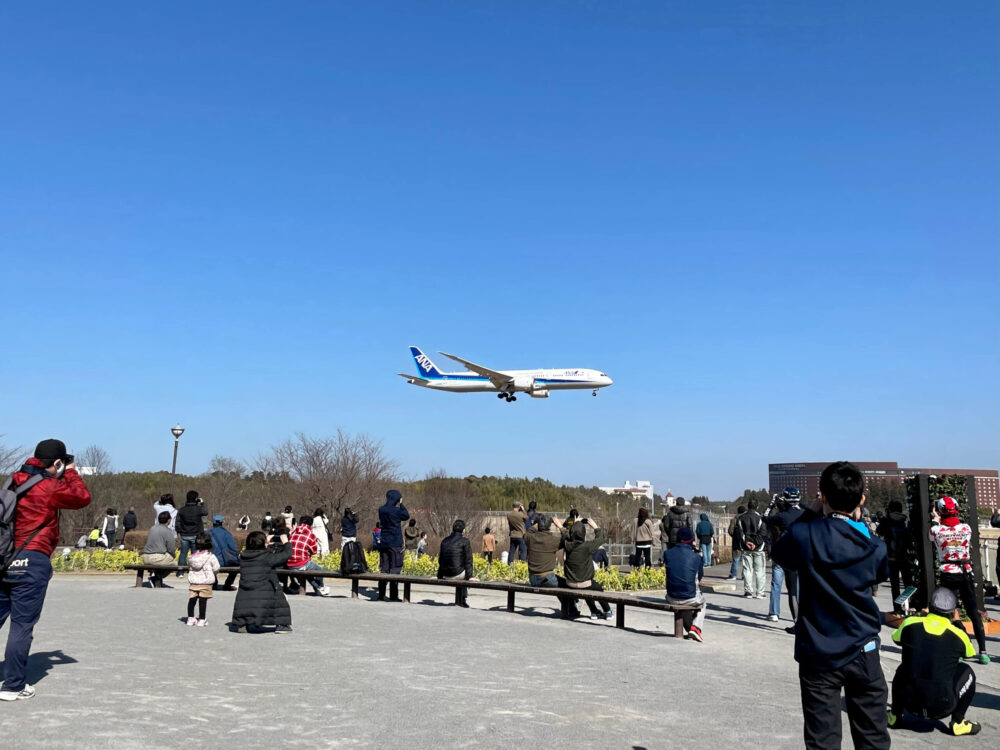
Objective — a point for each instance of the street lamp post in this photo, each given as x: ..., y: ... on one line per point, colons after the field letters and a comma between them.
x: 176, y: 431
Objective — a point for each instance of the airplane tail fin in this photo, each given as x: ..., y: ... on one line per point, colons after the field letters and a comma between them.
x: 425, y: 367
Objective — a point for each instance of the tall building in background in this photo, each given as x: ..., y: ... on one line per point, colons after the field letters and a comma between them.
x: 805, y: 476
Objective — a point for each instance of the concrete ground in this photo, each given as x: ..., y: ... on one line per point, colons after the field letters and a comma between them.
x: 115, y: 668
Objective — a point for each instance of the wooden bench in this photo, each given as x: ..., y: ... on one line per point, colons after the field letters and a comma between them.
x: 618, y: 599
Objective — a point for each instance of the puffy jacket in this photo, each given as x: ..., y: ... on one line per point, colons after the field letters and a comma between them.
x: 684, y: 569
x: 259, y: 599
x: 39, y: 506
x: 579, y: 563
x: 644, y: 532
x: 750, y: 528
x: 202, y: 567
x: 677, y: 518
x: 224, y: 546
x: 455, y: 556
x: 838, y: 563
x: 189, y: 518
x: 391, y: 518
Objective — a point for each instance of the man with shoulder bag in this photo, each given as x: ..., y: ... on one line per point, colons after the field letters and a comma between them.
x: 29, y: 533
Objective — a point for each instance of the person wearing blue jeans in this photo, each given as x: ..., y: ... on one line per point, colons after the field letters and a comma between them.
x: 187, y: 545
x: 22, y: 594
x: 316, y: 583
x: 778, y: 576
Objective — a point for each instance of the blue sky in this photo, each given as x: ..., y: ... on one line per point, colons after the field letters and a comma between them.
x: 774, y: 225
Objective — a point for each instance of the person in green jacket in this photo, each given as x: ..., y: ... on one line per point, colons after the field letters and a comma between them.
x: 578, y: 566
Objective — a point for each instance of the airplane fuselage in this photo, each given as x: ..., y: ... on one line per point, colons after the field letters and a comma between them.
x: 522, y: 381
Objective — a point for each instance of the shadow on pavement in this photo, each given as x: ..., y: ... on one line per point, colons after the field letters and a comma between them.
x: 41, y: 663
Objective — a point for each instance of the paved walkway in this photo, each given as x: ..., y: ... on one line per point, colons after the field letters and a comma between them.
x: 115, y: 668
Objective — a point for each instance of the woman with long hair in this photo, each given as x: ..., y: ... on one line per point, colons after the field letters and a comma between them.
x: 644, y: 539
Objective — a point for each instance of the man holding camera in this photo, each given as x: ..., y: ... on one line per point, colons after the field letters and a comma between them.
x: 516, y: 521
x: 54, y: 484
x: 838, y: 561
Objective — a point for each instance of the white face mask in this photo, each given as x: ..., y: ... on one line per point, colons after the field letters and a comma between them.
x: 60, y: 468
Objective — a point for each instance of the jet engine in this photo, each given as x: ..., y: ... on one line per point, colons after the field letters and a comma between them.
x: 524, y: 384
x: 540, y: 393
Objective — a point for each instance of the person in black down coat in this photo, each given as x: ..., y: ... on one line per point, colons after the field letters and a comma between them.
x: 260, y: 600
x: 455, y: 560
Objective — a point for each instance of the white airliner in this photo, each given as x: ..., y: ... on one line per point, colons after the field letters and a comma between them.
x: 505, y: 383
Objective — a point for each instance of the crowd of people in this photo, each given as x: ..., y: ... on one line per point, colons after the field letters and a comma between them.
x: 829, y: 558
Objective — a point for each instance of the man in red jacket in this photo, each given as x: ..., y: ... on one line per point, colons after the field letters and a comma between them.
x: 36, y: 527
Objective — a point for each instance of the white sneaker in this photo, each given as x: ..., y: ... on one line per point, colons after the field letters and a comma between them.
x: 772, y: 618
x: 11, y: 695
x: 192, y: 621
x: 325, y: 591
x: 201, y: 623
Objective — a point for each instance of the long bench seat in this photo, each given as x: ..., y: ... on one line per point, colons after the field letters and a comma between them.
x: 619, y: 599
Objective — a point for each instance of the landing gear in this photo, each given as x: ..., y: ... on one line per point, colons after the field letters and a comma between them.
x: 595, y: 392
x: 501, y: 395
x: 509, y: 396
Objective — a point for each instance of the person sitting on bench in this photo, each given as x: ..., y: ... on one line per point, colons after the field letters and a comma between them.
x: 932, y: 681
x: 685, y: 569
x: 160, y: 547
x: 455, y: 561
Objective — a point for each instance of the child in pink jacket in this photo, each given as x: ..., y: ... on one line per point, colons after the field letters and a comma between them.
x: 202, y: 567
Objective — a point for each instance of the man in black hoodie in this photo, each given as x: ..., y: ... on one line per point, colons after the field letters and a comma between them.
x: 189, y: 524
x: 837, y: 632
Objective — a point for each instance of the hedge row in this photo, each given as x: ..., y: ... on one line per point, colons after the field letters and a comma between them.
x: 641, y: 579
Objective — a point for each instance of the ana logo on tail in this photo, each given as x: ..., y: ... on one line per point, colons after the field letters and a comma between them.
x: 424, y: 364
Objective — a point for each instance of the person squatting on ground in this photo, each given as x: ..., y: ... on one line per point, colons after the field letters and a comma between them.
x: 542, y: 548
x: 260, y: 600
x: 390, y: 547
x: 224, y: 549
x: 735, y: 569
x: 932, y: 681
x: 161, y: 544
x: 837, y: 632
x: 489, y: 545
x: 684, y: 569
x: 787, y: 511
x: 516, y: 520
x: 952, y: 542
x: 348, y: 527
x: 189, y: 524
x: 55, y: 484
x: 894, y: 532
x: 455, y: 561
x: 705, y: 533
x: 202, y: 567
x: 750, y: 533
x: 579, y: 563
x: 643, y: 539
x: 304, y: 546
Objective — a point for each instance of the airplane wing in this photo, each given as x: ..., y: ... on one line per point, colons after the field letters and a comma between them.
x: 413, y: 378
x: 499, y: 379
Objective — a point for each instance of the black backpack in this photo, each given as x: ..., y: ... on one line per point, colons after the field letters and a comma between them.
x: 9, y: 497
x: 352, y: 559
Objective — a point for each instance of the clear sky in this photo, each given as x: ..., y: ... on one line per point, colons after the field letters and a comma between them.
x: 773, y: 224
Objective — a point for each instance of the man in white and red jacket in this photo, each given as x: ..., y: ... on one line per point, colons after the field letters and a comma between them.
x: 304, y: 546
x: 36, y: 528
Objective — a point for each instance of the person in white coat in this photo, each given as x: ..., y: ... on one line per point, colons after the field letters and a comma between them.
x: 320, y: 526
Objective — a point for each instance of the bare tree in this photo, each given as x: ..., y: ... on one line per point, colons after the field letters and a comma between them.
x: 95, y: 457
x: 331, y: 472
x: 10, y: 458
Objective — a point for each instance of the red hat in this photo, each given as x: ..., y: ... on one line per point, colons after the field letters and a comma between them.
x: 947, y: 506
